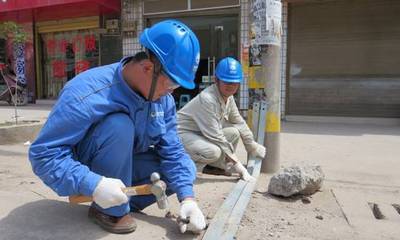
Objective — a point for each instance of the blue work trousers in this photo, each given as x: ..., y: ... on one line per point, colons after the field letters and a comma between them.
x: 107, y: 149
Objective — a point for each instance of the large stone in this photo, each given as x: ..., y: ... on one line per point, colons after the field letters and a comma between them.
x: 293, y: 180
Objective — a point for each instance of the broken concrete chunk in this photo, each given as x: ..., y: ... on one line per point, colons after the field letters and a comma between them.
x: 304, y: 180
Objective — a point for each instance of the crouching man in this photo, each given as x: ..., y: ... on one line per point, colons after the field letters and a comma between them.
x: 114, y: 125
x: 210, y: 125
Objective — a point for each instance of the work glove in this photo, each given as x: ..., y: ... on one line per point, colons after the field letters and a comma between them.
x: 244, y: 174
x: 108, y: 193
x: 259, y: 151
x: 190, y: 210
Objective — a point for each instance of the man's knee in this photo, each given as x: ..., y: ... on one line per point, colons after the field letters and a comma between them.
x: 118, y: 126
x: 232, y: 134
x: 211, y: 153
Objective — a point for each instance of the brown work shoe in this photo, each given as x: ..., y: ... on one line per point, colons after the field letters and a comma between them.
x: 215, y: 171
x: 124, y: 224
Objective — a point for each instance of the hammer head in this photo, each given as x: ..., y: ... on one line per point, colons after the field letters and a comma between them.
x: 158, y: 188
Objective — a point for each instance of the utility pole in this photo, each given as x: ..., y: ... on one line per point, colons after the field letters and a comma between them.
x: 266, y: 31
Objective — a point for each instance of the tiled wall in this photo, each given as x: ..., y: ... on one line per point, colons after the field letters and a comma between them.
x: 244, y: 40
x: 284, y: 57
x: 132, y: 10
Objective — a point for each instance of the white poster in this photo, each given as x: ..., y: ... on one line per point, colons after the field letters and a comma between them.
x: 266, y: 27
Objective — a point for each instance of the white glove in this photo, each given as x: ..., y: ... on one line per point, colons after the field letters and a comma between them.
x: 239, y: 168
x: 190, y: 210
x: 259, y: 151
x: 108, y: 193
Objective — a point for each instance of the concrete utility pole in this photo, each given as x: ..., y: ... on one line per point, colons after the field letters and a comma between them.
x: 266, y: 37
x: 271, y: 71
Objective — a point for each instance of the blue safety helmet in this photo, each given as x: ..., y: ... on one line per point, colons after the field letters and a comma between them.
x: 176, y: 47
x: 229, y: 70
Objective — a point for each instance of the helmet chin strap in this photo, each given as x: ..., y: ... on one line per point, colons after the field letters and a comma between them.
x: 153, y: 86
x: 156, y: 73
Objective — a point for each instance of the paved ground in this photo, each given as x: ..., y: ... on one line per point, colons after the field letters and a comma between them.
x: 361, y: 164
x: 38, y: 111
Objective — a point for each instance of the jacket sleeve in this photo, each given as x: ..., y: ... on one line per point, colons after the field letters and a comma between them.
x: 176, y: 164
x: 238, y: 122
x: 51, y: 154
x: 208, y: 121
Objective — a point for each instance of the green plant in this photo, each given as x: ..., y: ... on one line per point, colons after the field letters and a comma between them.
x: 14, y: 31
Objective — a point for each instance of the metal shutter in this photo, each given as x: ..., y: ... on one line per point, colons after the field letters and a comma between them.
x: 344, y: 58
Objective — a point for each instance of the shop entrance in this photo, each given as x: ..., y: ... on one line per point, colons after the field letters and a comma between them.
x: 218, y: 37
x: 66, y: 54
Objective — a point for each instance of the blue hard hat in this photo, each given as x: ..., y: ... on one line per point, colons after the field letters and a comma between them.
x: 176, y: 47
x: 229, y: 70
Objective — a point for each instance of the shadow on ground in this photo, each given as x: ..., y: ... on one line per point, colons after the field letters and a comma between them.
x: 49, y: 219
x: 170, y: 226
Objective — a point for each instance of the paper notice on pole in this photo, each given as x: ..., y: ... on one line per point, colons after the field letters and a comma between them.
x: 266, y: 26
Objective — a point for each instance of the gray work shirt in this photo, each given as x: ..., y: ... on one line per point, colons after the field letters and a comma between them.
x: 207, y: 114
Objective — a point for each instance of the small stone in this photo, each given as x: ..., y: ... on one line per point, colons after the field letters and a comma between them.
x: 290, y: 223
x: 270, y: 234
x: 305, y: 200
x: 319, y: 217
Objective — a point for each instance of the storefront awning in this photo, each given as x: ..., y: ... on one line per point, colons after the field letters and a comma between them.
x: 43, y: 10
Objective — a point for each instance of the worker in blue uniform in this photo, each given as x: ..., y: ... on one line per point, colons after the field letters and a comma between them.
x: 114, y: 125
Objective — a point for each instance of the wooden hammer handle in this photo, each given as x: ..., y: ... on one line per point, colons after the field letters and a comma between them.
x: 144, y: 189
x: 80, y: 199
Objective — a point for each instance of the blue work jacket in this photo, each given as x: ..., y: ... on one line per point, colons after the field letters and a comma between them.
x: 86, y: 100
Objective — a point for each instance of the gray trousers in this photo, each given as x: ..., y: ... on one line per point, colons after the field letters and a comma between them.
x: 203, y: 152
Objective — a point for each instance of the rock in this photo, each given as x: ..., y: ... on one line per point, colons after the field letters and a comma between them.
x: 305, y: 200
x: 296, y: 180
x: 319, y: 217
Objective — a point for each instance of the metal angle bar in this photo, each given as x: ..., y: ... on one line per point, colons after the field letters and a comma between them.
x: 241, y: 205
x: 261, y: 122
x: 226, y: 221
x: 256, y: 118
x: 216, y: 227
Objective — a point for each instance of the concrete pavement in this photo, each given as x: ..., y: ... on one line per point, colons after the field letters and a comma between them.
x: 361, y: 164
x: 30, y: 112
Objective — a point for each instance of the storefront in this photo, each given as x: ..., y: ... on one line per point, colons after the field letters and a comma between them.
x: 65, y: 52
x: 66, y: 38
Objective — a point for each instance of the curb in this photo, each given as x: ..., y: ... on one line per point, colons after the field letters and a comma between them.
x: 20, y: 133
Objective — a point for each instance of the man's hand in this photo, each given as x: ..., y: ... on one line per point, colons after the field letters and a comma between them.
x: 239, y: 168
x: 190, y: 210
x: 259, y: 151
x: 108, y: 193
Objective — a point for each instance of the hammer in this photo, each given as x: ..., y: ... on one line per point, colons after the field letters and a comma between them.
x: 157, y: 188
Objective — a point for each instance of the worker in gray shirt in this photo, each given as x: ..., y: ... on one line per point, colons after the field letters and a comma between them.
x: 210, y: 125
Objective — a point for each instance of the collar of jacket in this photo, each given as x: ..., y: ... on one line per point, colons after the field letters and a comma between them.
x: 125, y: 88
